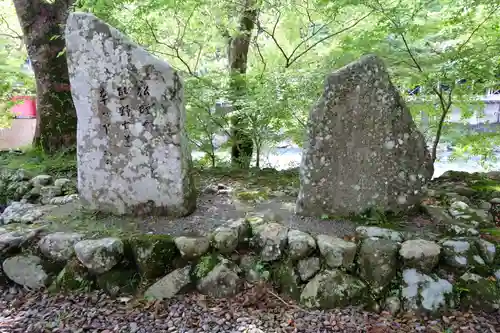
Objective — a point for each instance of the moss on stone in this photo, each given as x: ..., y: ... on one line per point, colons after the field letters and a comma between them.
x: 252, y: 195
x: 66, y: 185
x: 480, y: 293
x: 22, y: 189
x: 74, y: 276
x: 285, y: 278
x: 204, y: 265
x: 332, y: 289
x: 154, y: 255
x: 10, y: 191
x: 119, y: 281
x: 485, y: 185
x: 33, y: 196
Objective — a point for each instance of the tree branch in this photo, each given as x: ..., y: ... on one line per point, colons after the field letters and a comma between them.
x: 273, y: 37
x: 173, y: 48
x: 292, y: 60
x: 445, y: 108
x: 476, y: 29
x: 410, y: 53
x: 14, y: 35
x: 303, y: 41
x: 256, y: 43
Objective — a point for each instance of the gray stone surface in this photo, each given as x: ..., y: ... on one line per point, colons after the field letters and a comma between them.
x: 300, y: 244
x: 362, y: 148
x: 26, y: 270
x: 18, y: 212
x: 487, y: 250
x: 461, y: 253
x: 271, y: 239
x: 308, y: 267
x: 14, y: 240
x: 422, y: 292
x: 331, y: 289
x: 377, y: 232
x: 392, y: 304
x: 420, y: 253
x: 49, y: 192
x: 62, y: 182
x: 377, y: 261
x: 59, y: 246
x: 62, y: 200
x: 192, y: 247
x: 99, y: 255
x: 41, y: 180
x: 133, y: 153
x: 221, y: 282
x: 170, y: 285
x: 226, y: 238
x: 336, y: 251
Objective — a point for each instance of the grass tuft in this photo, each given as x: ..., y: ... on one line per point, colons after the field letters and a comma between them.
x: 36, y: 161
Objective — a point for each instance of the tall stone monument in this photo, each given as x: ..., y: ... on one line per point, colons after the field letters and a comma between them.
x: 133, y: 154
x: 362, y: 149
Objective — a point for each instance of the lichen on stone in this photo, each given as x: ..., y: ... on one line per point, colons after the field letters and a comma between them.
x: 362, y: 147
x: 154, y: 255
x: 133, y: 152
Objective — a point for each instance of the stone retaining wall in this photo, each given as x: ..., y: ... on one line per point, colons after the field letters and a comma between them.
x: 379, y: 268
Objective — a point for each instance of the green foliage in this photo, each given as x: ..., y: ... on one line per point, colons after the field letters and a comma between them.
x: 13, y: 81
x: 431, y: 44
x: 37, y: 162
x: 205, y: 265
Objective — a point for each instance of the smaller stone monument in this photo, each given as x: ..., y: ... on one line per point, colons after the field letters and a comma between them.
x: 362, y: 149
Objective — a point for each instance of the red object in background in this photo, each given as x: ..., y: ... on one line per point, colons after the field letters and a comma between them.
x: 24, y: 109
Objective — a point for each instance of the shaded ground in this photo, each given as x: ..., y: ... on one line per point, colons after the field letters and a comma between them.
x: 225, y: 195
x: 213, y: 210
x: 256, y: 310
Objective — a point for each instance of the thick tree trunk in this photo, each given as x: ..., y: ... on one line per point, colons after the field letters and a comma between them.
x: 43, y: 28
x: 242, y: 145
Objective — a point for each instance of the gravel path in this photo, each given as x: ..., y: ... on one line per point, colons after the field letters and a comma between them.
x: 257, y: 310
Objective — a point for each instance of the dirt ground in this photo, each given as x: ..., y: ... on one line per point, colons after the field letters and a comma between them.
x: 226, y: 196
x: 212, y: 210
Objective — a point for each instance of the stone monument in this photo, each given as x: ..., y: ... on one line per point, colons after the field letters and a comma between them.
x: 362, y: 148
x: 133, y: 154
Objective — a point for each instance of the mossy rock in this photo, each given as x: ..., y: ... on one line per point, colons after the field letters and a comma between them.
x: 19, y: 175
x: 34, y: 195
x: 23, y: 188
x: 10, y: 191
x: 485, y: 185
x: 285, y: 278
x: 205, y: 265
x: 254, y: 269
x: 67, y: 186
x: 478, y: 292
x: 331, y: 289
x: 452, y: 175
x: 119, y: 281
x: 74, y: 276
x: 154, y: 255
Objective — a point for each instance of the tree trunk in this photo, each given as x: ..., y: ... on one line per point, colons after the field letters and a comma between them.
x: 242, y: 144
x: 43, y: 28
